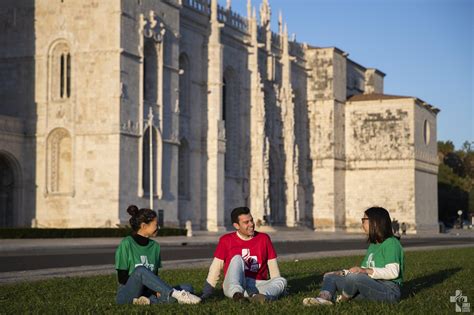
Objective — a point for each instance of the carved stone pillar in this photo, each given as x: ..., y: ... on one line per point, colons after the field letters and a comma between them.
x: 154, y: 30
x: 288, y: 118
x: 215, y: 128
x: 259, y: 179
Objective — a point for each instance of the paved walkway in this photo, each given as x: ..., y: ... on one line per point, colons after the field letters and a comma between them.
x: 200, y: 237
x: 204, y: 237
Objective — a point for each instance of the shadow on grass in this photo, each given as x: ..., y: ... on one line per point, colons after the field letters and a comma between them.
x: 298, y: 285
x: 412, y: 287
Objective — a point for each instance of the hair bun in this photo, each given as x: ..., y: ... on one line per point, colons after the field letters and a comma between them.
x: 132, y: 210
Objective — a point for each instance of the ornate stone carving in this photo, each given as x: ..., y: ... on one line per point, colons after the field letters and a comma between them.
x: 153, y: 28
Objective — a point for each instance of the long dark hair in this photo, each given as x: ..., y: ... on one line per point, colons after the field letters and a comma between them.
x: 140, y: 216
x: 380, y: 224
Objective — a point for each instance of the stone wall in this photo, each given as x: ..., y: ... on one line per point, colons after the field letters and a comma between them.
x: 88, y: 77
x: 426, y: 168
x: 77, y: 150
x: 381, y: 167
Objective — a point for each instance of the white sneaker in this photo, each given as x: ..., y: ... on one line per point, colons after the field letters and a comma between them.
x: 142, y: 300
x: 316, y: 301
x: 184, y: 297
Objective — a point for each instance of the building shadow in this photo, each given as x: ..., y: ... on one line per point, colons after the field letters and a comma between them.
x: 18, y: 116
x: 410, y: 288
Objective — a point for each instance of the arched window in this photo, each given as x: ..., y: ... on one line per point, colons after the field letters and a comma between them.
x: 225, y: 100
x: 59, y: 161
x: 426, y: 132
x: 183, y: 170
x: 150, y: 72
x: 232, y: 117
x: 149, y: 164
x: 184, y: 84
x: 60, y: 71
x: 7, y: 191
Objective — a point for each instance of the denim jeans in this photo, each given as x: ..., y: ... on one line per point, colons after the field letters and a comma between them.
x: 361, y: 286
x: 144, y: 282
x: 235, y: 281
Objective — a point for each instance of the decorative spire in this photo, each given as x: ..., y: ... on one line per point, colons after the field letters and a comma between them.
x: 254, y: 29
x: 280, y: 23
x: 214, y: 10
x: 265, y: 13
x: 249, y: 9
x: 228, y: 5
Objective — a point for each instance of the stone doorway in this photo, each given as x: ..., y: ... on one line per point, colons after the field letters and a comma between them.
x: 7, y: 192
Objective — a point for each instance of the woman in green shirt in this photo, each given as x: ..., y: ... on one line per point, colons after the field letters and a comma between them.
x: 380, y: 275
x: 137, y: 260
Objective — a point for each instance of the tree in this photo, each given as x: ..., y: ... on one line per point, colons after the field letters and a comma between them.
x: 445, y: 147
x: 455, y: 180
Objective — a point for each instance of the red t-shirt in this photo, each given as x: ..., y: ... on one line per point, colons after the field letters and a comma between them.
x: 255, y: 252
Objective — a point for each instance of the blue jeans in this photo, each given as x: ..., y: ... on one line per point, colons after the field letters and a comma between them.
x: 235, y: 281
x: 361, y: 286
x: 144, y: 282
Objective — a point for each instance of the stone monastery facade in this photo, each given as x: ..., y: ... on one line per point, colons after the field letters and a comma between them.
x: 106, y: 102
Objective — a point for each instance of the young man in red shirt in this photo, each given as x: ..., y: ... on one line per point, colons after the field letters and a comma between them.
x: 248, y: 258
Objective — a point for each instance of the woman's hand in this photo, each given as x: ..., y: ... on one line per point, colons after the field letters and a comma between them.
x: 361, y: 270
x: 357, y: 270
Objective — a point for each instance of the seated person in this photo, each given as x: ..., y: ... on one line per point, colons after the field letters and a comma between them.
x: 247, y: 257
x: 380, y: 275
x: 137, y: 260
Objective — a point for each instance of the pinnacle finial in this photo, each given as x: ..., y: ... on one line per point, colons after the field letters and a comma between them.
x: 249, y: 9
x: 214, y: 10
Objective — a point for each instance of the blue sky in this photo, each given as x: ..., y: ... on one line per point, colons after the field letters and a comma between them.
x: 426, y: 47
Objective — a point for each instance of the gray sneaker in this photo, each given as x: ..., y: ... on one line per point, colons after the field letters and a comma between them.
x: 184, y: 297
x: 142, y: 300
x: 316, y: 301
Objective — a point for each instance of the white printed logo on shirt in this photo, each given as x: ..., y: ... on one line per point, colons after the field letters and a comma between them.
x: 145, y: 263
x: 370, y: 261
x: 251, y: 262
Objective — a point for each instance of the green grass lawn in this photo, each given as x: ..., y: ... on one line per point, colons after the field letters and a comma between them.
x: 431, y: 277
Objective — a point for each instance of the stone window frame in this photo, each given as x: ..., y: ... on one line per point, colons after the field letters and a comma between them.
x: 53, y: 149
x: 60, y: 70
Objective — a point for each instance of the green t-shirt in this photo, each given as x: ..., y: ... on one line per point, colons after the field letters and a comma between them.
x: 388, y: 252
x: 130, y: 255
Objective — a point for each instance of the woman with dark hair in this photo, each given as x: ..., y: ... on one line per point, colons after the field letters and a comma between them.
x: 380, y: 275
x: 137, y: 260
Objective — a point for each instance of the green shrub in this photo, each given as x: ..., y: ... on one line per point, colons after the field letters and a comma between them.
x: 81, y: 232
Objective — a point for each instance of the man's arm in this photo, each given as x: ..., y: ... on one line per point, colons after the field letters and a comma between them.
x: 215, y: 271
x: 273, y: 268
x: 212, y: 277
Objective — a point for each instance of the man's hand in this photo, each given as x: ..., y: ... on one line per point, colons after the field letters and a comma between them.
x: 207, y: 291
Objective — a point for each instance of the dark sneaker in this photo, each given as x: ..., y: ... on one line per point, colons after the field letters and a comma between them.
x: 258, y: 298
x: 239, y: 297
